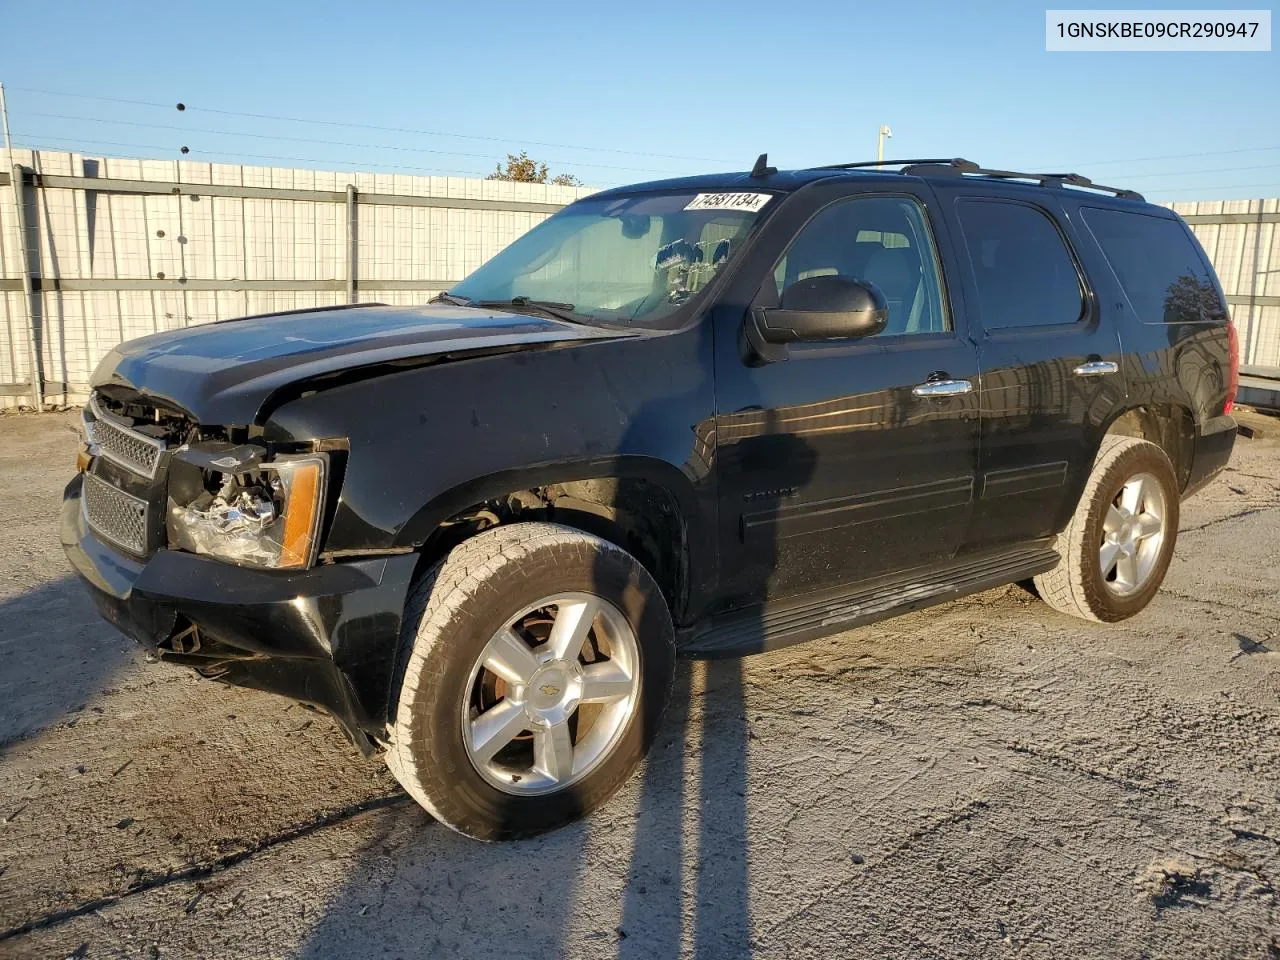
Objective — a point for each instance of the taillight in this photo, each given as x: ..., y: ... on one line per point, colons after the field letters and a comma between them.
x: 1233, y: 368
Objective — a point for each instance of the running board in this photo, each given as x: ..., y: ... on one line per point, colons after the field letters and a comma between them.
x: 808, y: 617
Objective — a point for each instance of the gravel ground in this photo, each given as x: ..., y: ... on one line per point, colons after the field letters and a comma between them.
x: 986, y: 778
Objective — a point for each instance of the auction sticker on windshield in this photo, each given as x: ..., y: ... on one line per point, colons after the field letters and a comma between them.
x: 750, y: 202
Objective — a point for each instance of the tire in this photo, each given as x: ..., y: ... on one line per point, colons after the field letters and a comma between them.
x: 1078, y: 585
x: 458, y: 667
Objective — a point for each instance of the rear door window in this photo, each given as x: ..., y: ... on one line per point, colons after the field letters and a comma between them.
x: 1159, y: 268
x: 1024, y: 273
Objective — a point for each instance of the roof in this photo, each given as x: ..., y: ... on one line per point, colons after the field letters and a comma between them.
x: 782, y: 180
x: 786, y: 181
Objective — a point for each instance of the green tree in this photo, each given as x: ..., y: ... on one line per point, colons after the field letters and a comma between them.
x: 522, y: 168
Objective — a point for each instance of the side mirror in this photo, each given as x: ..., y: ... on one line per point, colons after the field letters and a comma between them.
x: 826, y: 308
x: 819, y: 308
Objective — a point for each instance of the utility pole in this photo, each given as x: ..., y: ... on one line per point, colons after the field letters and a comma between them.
x: 885, y: 134
x: 16, y: 181
x: 4, y: 115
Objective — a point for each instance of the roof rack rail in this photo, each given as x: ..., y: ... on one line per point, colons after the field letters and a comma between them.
x: 961, y: 167
x: 958, y: 166
x: 885, y: 163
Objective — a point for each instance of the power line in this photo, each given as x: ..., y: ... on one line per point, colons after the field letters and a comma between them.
x: 87, y: 96
x: 1223, y: 186
x: 381, y: 166
x: 384, y: 129
x: 199, y: 155
x: 540, y: 143
x: 1183, y: 173
x: 1171, y: 156
x: 332, y: 143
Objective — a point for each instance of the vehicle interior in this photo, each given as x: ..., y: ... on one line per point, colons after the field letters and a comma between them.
x: 881, y: 240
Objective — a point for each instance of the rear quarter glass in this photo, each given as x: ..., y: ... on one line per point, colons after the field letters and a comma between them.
x: 1159, y: 265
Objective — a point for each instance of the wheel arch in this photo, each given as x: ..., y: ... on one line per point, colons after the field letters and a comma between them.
x: 644, y: 505
x: 1170, y: 426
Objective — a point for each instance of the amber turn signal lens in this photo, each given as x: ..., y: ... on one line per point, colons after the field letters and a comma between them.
x: 301, y: 515
x: 83, y: 459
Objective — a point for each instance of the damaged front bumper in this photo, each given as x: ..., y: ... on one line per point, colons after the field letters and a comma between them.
x: 326, y: 636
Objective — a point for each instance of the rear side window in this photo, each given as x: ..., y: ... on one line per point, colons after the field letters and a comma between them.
x: 1023, y: 270
x: 1159, y: 268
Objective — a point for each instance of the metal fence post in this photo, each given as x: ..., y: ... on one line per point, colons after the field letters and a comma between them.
x: 28, y: 288
x: 123, y: 271
x: 1255, y: 311
x: 353, y: 244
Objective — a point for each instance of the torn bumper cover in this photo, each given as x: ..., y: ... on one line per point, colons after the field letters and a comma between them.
x: 326, y: 636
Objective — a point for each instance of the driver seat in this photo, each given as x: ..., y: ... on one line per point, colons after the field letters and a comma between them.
x: 896, y: 271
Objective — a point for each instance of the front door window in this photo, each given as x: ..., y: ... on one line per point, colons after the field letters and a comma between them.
x: 881, y: 240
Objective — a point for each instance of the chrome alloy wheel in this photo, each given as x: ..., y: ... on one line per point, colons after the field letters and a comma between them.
x: 551, y: 694
x: 1133, y: 533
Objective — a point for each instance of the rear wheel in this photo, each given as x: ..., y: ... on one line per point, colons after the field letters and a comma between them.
x: 540, y: 661
x: 1117, y: 547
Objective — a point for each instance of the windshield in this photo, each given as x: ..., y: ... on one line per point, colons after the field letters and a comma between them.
x: 620, y: 259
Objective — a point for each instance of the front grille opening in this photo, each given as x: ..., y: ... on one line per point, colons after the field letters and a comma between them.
x: 115, y: 515
x: 143, y: 415
x: 138, y: 453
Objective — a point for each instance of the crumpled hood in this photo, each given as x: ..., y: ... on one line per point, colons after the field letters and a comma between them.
x: 222, y: 373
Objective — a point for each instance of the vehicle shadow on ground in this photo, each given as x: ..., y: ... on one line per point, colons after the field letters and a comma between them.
x: 419, y: 889
x: 56, y: 655
x: 624, y: 883
x: 653, y: 900
x: 626, y: 880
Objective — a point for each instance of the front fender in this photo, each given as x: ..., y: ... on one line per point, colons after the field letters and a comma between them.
x: 479, y: 489
x: 426, y: 443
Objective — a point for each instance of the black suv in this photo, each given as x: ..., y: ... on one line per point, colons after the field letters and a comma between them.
x: 708, y: 416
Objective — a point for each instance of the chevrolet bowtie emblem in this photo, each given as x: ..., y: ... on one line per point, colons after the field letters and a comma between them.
x: 548, y: 690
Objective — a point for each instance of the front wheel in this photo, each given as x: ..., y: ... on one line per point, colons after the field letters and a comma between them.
x: 1116, y: 549
x: 540, y: 661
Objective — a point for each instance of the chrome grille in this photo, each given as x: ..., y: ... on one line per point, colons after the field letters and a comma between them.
x: 115, y: 515
x: 130, y: 449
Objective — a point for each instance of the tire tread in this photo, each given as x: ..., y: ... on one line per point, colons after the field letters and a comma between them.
x: 1064, y: 587
x: 435, y: 606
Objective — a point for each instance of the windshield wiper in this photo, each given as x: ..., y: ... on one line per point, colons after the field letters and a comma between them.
x: 452, y: 298
x: 561, y: 311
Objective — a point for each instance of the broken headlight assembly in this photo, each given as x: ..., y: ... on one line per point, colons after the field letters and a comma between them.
x: 253, y: 512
